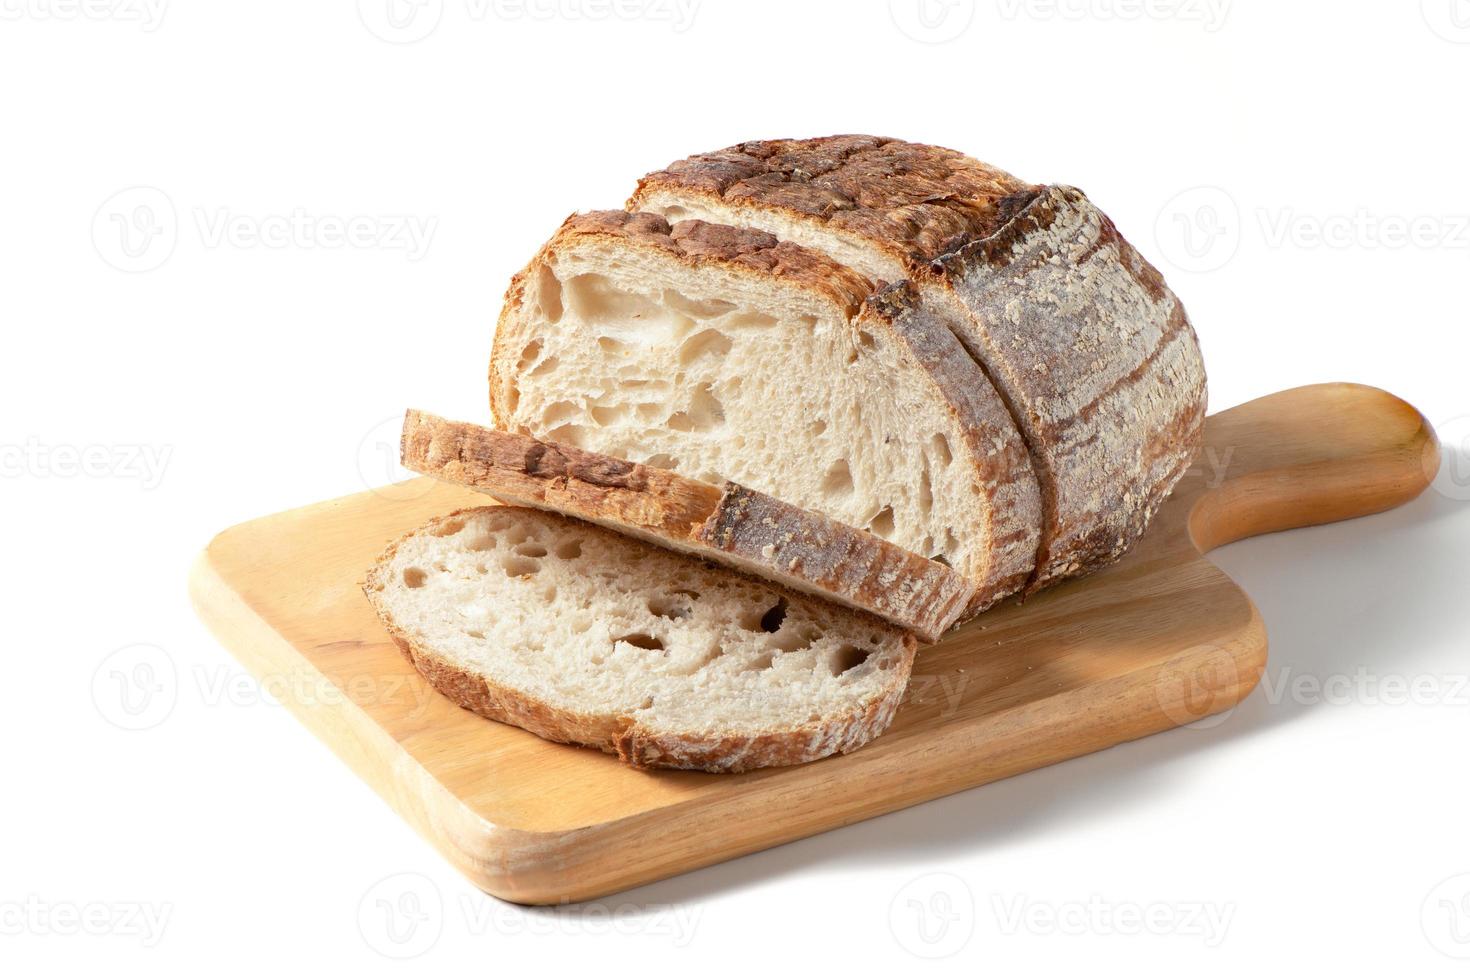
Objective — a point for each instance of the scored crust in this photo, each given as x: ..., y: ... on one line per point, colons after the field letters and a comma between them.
x: 633, y: 743
x: 996, y: 450
x: 730, y: 524
x: 909, y: 201
x: 1094, y: 356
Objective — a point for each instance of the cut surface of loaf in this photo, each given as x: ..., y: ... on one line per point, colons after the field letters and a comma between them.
x: 724, y: 354
x: 1091, y: 351
x: 581, y: 635
x: 730, y: 524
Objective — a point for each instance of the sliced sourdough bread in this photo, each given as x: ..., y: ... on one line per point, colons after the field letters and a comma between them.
x: 724, y: 354
x: 730, y: 524
x: 581, y: 635
x: 1091, y: 351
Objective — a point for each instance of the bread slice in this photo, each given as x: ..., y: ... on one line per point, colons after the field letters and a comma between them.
x: 724, y: 354
x: 581, y: 635
x: 1090, y: 350
x: 730, y: 524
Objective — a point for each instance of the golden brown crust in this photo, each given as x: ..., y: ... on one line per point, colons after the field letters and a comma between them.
x: 633, y: 743
x: 730, y: 524
x: 913, y: 201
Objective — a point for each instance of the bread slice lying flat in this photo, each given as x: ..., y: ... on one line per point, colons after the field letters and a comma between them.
x: 585, y: 636
x: 723, y: 354
x: 730, y: 524
x: 1080, y: 335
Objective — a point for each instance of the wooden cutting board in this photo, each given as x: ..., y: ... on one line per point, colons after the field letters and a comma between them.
x: 1159, y: 640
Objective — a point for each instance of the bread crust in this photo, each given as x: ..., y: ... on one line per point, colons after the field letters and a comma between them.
x: 634, y: 743
x: 731, y: 524
x: 1046, y: 295
x: 911, y: 201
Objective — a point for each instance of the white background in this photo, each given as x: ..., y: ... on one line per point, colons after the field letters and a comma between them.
x: 206, y: 376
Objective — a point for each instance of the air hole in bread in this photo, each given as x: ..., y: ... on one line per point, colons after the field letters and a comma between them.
x: 529, y: 355
x: 484, y: 542
x: 650, y: 412
x: 848, y: 658
x: 645, y: 704
x: 817, y: 428
x: 499, y: 522
x: 662, y: 461
x: 926, y: 493
x: 670, y: 606
x: 882, y: 523
x: 610, y: 415
x: 773, y: 618
x: 866, y: 341
x: 797, y: 638
x: 415, y: 578
x: 704, y: 413
x: 569, y: 548
x: 545, y: 366
x: 700, y: 309
x: 531, y: 549
x: 559, y: 412
x: 447, y: 528
x: 548, y: 293
x: 838, y: 480
x: 939, y: 449
x: 614, y: 346
x: 474, y: 634
x: 517, y: 566
x: 642, y: 641
x: 706, y: 343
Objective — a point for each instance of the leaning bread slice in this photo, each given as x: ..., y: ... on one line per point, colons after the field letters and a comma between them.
x: 1090, y: 349
x: 581, y: 635
x: 730, y: 524
x: 724, y: 354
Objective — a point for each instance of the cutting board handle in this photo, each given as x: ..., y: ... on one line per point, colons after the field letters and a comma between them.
x: 1307, y: 456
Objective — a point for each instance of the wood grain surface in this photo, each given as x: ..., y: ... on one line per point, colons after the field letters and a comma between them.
x: 1161, y: 639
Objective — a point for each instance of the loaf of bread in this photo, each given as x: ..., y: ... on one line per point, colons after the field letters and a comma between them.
x: 895, y: 335
x: 581, y: 635
x: 729, y: 524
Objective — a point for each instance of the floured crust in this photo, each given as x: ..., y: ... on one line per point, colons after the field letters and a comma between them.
x: 634, y: 743
x: 730, y: 524
x: 912, y: 201
x: 1099, y: 363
